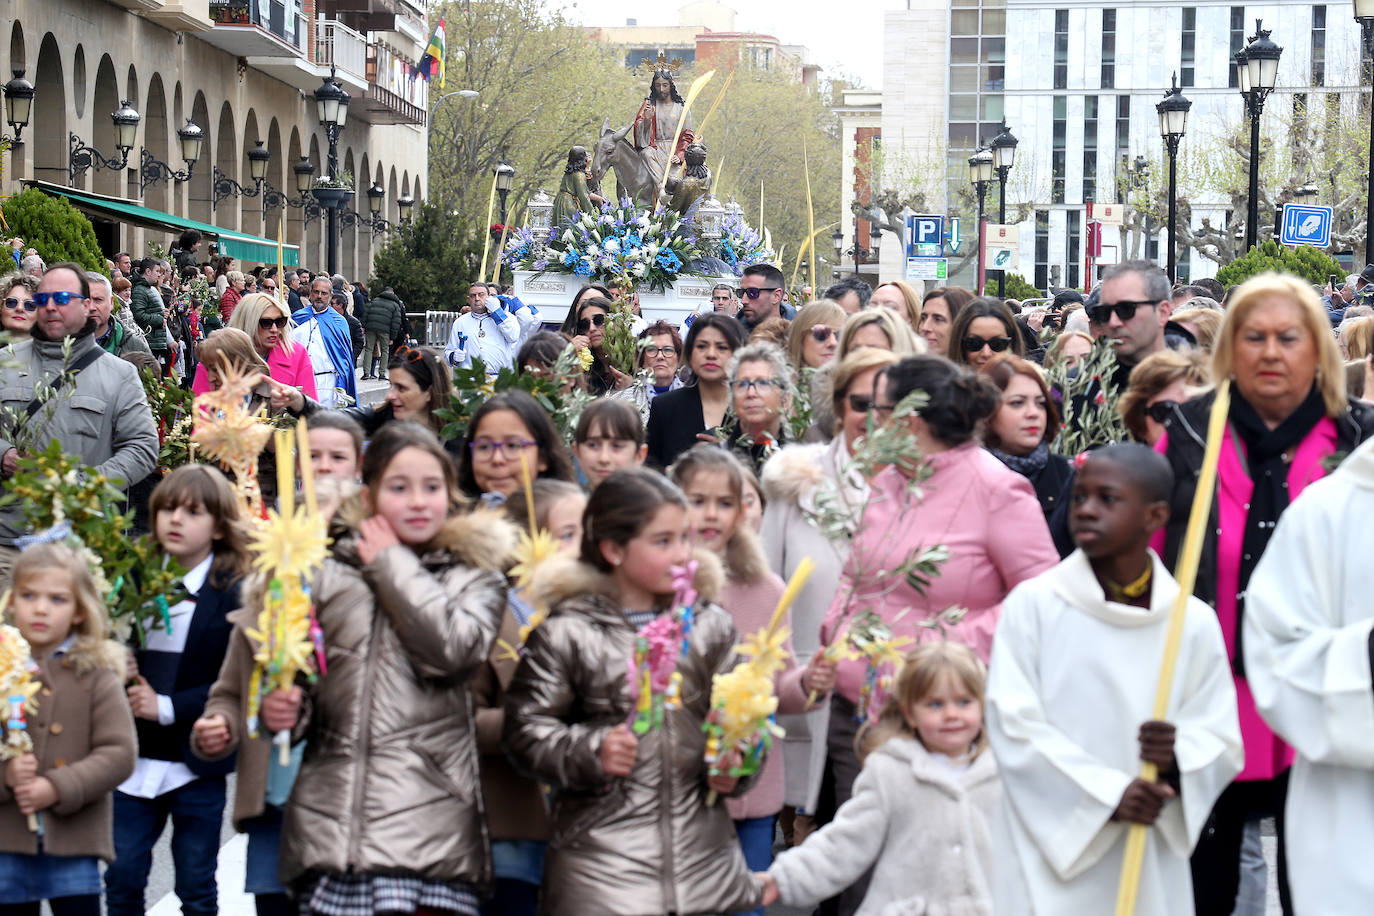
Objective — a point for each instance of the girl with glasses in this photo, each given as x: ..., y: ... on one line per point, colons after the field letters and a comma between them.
x: 16, y: 317
x: 984, y: 328
x: 508, y: 436
x: 268, y: 327
x: 680, y: 419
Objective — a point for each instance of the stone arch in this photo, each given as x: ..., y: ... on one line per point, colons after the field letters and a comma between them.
x: 102, y: 133
x: 393, y: 193
x: 227, y: 161
x: 312, y: 256
x: 155, y: 131
x: 250, y: 220
x: 177, y: 192
x: 198, y: 188
x: 18, y: 53
x: 50, y: 111
x: 348, y: 237
x: 276, y: 169
x: 295, y: 217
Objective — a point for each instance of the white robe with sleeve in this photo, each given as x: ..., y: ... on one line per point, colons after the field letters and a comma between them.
x: 1306, y: 633
x: 1071, y: 680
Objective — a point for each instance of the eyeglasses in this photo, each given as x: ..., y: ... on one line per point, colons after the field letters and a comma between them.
x: 409, y: 354
x: 585, y: 324
x: 763, y: 385
x: 883, y: 410
x: 510, y: 449
x: 61, y: 297
x: 1161, y: 411
x: 13, y: 302
x: 754, y: 293
x: 268, y: 324
x: 974, y: 343
x: 860, y: 403
x: 270, y: 287
x: 820, y: 333
x: 659, y: 351
x: 1101, y: 314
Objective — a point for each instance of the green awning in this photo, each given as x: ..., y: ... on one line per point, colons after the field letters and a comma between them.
x: 231, y: 242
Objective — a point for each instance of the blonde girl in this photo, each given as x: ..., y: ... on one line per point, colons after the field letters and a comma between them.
x: 921, y: 810
x: 83, y: 740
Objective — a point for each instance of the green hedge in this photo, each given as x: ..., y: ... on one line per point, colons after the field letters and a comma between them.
x: 1312, y: 264
x: 59, y: 231
x: 1018, y: 288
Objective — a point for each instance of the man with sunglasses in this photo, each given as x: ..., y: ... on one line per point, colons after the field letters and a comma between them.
x: 320, y: 328
x: 761, y: 292
x: 1131, y: 311
x: 96, y: 409
x: 484, y: 332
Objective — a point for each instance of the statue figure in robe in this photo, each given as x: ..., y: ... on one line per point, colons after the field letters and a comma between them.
x: 655, y: 124
x: 692, y: 184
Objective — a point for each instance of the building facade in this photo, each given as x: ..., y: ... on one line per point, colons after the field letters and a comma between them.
x: 243, y: 71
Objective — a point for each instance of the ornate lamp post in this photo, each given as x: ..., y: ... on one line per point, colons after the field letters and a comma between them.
x: 1257, y: 70
x: 224, y: 186
x: 150, y: 170
x: 1364, y: 15
x: 980, y: 169
x: 19, y: 94
x: 505, y: 177
x: 331, y: 107
x: 1003, y: 158
x: 1173, y: 121
x: 81, y: 157
x: 405, y: 205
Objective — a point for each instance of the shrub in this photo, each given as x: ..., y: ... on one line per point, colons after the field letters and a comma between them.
x: 59, y: 231
x: 1312, y: 264
x: 1018, y: 288
x: 430, y: 262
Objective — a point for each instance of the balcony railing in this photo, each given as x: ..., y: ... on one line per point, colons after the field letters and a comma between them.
x: 244, y: 15
x: 395, y: 94
x: 339, y: 46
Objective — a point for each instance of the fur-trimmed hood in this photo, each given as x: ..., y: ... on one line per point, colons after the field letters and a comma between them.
x: 563, y: 577
x: 744, y: 559
x: 483, y: 539
x: 794, y: 471
x: 88, y: 654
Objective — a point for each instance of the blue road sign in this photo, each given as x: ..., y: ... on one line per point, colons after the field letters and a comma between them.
x: 1304, y: 225
x: 924, y: 229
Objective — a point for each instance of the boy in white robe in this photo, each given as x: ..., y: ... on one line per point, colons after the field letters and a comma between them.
x: 1071, y: 691
x: 1307, y: 642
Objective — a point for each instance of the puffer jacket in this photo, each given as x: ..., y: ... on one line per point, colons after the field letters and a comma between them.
x: 389, y: 781
x: 385, y: 314
x: 147, y: 307
x: 647, y: 844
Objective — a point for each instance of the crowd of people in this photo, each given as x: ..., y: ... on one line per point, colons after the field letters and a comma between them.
x: 967, y: 688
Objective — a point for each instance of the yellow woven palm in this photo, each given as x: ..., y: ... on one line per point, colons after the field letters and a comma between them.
x: 16, y: 680
x: 530, y: 551
x: 766, y: 650
x: 283, y: 636
x: 289, y: 544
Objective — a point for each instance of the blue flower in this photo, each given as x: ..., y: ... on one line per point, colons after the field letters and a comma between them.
x: 540, y: 264
x: 570, y: 257
x: 583, y: 268
x: 632, y: 240
x: 669, y: 261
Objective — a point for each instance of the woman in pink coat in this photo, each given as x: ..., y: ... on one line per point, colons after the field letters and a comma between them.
x: 983, y: 513
x: 262, y: 318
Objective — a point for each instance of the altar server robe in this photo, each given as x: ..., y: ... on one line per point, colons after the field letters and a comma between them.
x: 1307, y: 655
x: 1071, y: 680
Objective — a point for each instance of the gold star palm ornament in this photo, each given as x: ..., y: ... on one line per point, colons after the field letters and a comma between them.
x: 227, y: 433
x: 535, y: 546
x: 18, y: 686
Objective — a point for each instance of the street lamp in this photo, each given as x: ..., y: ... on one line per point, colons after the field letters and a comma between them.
x: 980, y: 169
x: 1306, y: 194
x: 837, y: 239
x: 1364, y: 15
x: 1173, y: 122
x: 274, y: 199
x: 224, y: 186
x: 1003, y: 157
x: 405, y: 205
x: 305, y: 175
x: 505, y: 177
x: 81, y: 157
x: 375, y: 195
x: 461, y: 93
x: 331, y: 107
x: 19, y: 94
x: 151, y: 170
x: 1257, y: 70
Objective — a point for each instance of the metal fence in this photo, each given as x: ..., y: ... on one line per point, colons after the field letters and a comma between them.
x: 432, y: 328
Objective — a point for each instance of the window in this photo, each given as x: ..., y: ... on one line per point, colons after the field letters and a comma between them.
x: 1185, y: 264
x: 1123, y: 128
x: 1074, y: 230
x: 1108, y: 49
x: 1061, y: 49
x: 1090, y: 147
x: 1058, y: 153
x: 1187, y: 59
x: 1042, y: 249
x: 1318, y: 46
x: 1237, y: 42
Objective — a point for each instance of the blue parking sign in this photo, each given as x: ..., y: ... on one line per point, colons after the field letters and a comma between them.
x: 924, y: 229
x: 1306, y: 225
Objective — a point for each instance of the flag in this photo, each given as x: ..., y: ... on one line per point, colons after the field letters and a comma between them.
x: 432, y: 63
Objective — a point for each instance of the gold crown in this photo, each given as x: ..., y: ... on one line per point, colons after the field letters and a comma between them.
x: 662, y: 63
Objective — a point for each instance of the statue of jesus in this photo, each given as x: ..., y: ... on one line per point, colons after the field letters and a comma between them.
x: 655, y: 123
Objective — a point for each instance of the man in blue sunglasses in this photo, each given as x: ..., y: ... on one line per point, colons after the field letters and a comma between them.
x: 91, y: 402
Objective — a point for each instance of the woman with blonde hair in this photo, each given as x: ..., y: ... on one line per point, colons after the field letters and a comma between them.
x: 1202, y: 323
x: 1289, y: 418
x: 1357, y: 337
x: 880, y: 329
x: 814, y: 336
x: 1158, y: 384
x: 901, y: 298
x: 1069, y: 348
x: 268, y: 326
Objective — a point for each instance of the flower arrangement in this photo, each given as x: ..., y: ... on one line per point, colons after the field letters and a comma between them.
x: 740, y: 245
x: 655, y: 684
x: 615, y: 244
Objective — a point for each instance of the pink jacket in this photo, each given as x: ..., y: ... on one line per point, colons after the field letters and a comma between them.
x: 990, y: 521
x: 292, y: 369
x: 750, y: 596
x: 1266, y: 755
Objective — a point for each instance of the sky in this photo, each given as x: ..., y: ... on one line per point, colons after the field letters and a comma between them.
x: 848, y: 42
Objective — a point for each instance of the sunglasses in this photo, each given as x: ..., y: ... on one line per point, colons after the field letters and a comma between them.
x: 974, y: 343
x: 61, y: 297
x: 267, y: 324
x: 409, y: 354
x: 585, y: 324
x: 860, y: 403
x: 12, y: 303
x: 754, y: 293
x: 820, y: 333
x: 1101, y: 314
x: 1161, y: 411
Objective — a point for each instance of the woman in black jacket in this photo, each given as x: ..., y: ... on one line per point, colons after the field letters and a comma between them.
x: 679, y: 418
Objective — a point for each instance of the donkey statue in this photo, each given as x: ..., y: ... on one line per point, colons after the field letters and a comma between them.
x: 632, y: 173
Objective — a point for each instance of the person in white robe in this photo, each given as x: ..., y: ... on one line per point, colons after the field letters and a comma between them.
x: 1071, y: 681
x: 1307, y: 642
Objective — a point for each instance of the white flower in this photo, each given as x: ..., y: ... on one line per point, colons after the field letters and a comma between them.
x: 568, y: 236
x: 651, y: 251
x: 611, y: 244
x: 642, y: 221
x: 591, y: 251
x: 638, y: 270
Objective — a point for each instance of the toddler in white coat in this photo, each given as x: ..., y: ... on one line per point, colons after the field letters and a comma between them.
x: 921, y: 807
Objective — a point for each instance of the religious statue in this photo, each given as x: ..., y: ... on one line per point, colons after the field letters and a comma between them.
x: 694, y: 182
x: 656, y: 123
x: 574, y: 196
